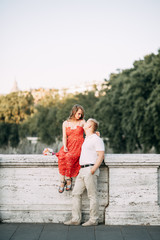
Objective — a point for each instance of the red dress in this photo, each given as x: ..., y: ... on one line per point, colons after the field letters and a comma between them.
x: 68, y: 162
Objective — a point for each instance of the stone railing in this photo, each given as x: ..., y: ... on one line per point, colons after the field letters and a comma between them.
x: 128, y: 188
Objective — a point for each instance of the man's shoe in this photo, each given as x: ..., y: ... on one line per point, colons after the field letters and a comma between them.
x: 89, y: 223
x: 70, y: 222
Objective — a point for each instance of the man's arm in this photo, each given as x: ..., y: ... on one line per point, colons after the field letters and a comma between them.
x: 98, y: 161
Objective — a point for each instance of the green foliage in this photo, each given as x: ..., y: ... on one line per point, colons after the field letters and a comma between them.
x: 46, y: 124
x: 109, y: 113
x: 13, y: 135
x: 151, y: 134
x: 9, y: 134
x: 131, y: 107
x: 16, y: 107
x: 47, y: 121
x: 4, y: 134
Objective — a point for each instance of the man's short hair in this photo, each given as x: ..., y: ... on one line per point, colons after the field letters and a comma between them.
x: 95, y: 123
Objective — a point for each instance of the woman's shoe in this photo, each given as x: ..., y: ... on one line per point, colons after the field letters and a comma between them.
x: 69, y: 187
x: 61, y: 189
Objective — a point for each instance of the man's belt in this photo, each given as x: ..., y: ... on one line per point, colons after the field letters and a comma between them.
x: 87, y: 165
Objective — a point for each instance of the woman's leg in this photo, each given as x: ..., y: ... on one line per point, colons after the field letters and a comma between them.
x: 62, y: 177
x: 62, y: 183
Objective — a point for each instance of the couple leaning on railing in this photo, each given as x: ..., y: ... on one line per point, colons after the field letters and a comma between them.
x: 80, y: 158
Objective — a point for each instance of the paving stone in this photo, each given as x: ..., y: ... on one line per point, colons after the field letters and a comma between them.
x: 135, y: 233
x: 81, y: 233
x: 103, y: 232
x: 154, y: 232
x: 7, y: 230
x: 54, y: 232
x: 29, y: 231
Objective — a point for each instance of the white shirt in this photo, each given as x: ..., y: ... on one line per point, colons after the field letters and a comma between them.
x: 91, y: 145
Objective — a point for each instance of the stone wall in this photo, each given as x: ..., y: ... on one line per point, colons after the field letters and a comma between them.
x: 128, y: 189
x: 29, y: 190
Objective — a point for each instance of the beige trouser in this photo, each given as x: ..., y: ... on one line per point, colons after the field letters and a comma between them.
x: 85, y: 180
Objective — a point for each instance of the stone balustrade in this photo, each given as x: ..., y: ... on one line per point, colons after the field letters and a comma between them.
x: 128, y: 190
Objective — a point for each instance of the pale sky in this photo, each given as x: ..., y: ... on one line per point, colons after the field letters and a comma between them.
x: 59, y: 43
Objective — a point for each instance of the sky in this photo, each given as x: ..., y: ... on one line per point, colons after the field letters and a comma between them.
x: 64, y: 43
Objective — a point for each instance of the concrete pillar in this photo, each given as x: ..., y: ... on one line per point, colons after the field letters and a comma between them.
x: 133, y: 189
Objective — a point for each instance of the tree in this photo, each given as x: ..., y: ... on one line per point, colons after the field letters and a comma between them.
x: 16, y: 107
x: 13, y: 135
x: 131, y: 107
x: 4, y: 134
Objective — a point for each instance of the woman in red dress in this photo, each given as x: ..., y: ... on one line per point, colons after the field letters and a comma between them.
x: 73, y: 138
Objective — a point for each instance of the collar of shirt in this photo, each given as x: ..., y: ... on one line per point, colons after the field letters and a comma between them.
x: 87, y: 137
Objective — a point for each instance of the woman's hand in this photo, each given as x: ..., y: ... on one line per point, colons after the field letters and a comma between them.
x: 65, y: 149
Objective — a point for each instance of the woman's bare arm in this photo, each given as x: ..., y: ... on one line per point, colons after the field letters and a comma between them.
x: 64, y: 136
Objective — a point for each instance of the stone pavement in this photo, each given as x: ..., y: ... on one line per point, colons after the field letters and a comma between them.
x: 53, y: 231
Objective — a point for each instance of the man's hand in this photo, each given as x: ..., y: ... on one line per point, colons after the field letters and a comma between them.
x: 93, y: 170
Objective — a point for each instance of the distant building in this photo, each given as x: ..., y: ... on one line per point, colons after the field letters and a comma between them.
x: 41, y: 93
x: 15, y: 87
x: 82, y: 87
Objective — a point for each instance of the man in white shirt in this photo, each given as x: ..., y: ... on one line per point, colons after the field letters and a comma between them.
x: 92, y: 155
